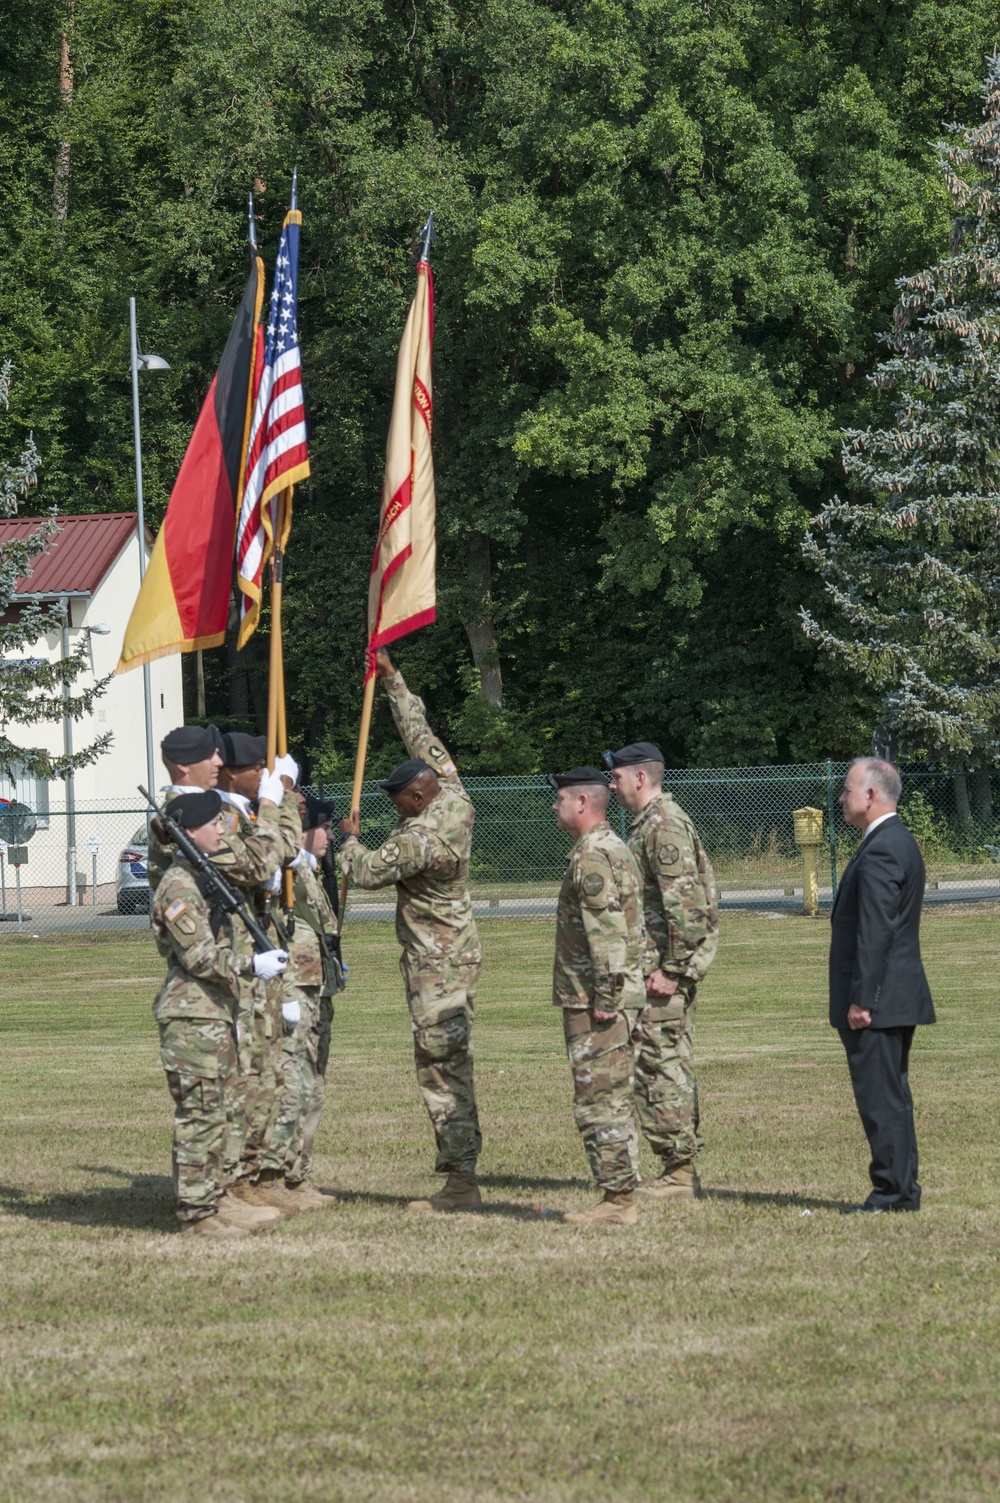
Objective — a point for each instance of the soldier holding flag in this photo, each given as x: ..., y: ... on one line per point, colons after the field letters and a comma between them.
x: 426, y: 857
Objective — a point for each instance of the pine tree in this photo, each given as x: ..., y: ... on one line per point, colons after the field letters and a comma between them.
x: 31, y: 690
x: 911, y: 559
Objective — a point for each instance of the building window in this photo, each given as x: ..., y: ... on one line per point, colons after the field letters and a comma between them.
x: 27, y: 789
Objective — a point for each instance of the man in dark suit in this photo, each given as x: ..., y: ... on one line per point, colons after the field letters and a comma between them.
x: 878, y: 990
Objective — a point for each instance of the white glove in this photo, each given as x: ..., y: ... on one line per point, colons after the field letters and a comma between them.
x: 271, y: 786
x: 270, y: 964
x: 287, y: 767
x: 304, y: 858
x: 291, y: 1012
x: 273, y: 883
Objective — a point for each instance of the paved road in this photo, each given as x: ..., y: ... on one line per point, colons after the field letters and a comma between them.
x: 44, y: 920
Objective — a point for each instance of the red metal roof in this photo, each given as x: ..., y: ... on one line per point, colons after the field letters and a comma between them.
x: 79, y: 556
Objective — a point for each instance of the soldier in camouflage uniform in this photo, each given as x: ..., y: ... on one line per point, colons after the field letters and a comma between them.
x: 196, y: 1012
x: 426, y: 857
x: 311, y: 981
x: 682, y: 927
x: 256, y: 842
x: 598, y: 982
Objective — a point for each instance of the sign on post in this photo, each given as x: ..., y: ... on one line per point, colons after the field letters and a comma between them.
x: 94, y: 847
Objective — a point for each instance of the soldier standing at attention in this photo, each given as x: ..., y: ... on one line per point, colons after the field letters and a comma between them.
x: 426, y: 857
x: 682, y: 927
x: 598, y: 982
x: 196, y: 1012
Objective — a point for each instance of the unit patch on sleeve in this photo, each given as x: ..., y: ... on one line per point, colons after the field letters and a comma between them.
x: 175, y: 910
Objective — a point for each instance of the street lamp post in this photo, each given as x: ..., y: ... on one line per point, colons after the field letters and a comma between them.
x: 146, y: 363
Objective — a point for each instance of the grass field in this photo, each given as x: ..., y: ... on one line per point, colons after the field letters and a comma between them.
x: 753, y: 1346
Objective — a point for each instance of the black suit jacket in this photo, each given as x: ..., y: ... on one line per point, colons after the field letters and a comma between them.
x: 875, y: 947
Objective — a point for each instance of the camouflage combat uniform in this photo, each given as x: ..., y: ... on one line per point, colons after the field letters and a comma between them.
x: 308, y: 980
x: 427, y: 858
x: 196, y: 1012
x: 682, y: 928
x: 600, y: 940
x: 253, y: 849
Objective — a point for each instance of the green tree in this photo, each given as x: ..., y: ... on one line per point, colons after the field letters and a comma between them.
x: 911, y: 559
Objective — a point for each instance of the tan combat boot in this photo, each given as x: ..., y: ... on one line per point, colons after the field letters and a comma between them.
x: 270, y: 1191
x: 679, y: 1183
x: 214, y: 1226
x: 308, y: 1198
x: 241, y: 1213
x: 618, y: 1208
x: 460, y: 1192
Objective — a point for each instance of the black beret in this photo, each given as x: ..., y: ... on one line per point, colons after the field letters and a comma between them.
x: 402, y: 776
x: 191, y: 810
x: 317, y: 812
x: 191, y: 743
x: 575, y: 777
x: 633, y: 755
x: 241, y: 750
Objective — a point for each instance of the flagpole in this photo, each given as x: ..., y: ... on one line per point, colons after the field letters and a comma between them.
x: 359, y: 770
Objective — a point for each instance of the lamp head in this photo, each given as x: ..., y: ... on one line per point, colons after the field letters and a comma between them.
x: 152, y: 363
x: 102, y: 629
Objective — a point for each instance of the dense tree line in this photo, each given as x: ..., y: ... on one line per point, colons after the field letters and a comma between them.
x: 669, y: 237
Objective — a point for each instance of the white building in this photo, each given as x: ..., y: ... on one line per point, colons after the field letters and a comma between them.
x: 90, y: 574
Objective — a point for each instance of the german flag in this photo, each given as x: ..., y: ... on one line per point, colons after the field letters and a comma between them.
x: 183, y: 602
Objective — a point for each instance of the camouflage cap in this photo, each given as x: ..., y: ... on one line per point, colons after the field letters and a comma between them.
x: 633, y: 755
x: 575, y: 777
x: 402, y: 776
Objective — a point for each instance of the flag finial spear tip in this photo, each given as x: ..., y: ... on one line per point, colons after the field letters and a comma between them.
x: 295, y: 188
x: 251, y: 222
x: 429, y: 234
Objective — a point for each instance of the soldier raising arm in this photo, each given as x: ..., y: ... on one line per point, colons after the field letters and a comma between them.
x: 426, y: 857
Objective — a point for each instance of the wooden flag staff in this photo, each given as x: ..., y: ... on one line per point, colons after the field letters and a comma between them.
x: 359, y: 770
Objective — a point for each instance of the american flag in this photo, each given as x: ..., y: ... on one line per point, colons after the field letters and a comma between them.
x: 277, y: 452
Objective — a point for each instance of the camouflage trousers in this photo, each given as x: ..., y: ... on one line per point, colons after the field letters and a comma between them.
x: 199, y: 1057
x: 442, y: 1049
x: 255, y: 1094
x: 305, y: 1054
x: 666, y: 1091
x: 602, y: 1063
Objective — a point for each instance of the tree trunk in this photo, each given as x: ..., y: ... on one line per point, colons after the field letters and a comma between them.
x: 962, y: 798
x: 479, y: 628
x: 982, y: 797
x: 60, y: 179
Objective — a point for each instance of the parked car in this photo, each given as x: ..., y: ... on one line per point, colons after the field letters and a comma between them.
x: 132, y: 879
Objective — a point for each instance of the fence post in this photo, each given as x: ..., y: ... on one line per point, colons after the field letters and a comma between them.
x: 833, y: 828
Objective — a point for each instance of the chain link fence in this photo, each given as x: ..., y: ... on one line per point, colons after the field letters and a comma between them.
x: 744, y: 816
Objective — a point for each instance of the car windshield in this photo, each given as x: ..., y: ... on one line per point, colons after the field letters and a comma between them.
x: 140, y: 837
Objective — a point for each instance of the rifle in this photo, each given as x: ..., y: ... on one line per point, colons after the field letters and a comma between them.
x: 218, y: 888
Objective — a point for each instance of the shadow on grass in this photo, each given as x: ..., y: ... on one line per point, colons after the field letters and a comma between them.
x: 532, y: 1182
x: 769, y: 1198
x: 143, y: 1201
x: 508, y: 1209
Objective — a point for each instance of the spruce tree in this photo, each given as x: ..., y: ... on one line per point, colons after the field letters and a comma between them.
x: 910, y: 559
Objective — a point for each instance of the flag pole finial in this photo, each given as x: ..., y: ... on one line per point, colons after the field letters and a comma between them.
x: 429, y: 235
x: 251, y: 223
x: 295, y: 188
